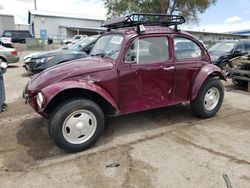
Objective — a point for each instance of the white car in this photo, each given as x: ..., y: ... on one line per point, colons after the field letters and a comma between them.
x: 75, y: 39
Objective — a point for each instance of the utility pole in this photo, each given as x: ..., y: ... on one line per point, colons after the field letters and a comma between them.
x: 35, y: 4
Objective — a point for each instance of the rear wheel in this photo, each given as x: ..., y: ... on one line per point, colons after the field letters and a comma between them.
x: 76, y: 124
x: 209, y: 99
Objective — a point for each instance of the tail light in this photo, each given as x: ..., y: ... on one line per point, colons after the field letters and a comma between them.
x: 14, y: 52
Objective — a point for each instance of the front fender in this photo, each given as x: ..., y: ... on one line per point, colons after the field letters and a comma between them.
x: 206, y: 71
x: 53, y: 90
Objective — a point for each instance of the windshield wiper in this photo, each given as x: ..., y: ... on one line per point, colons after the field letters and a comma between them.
x: 99, y: 54
x: 105, y: 54
x: 112, y: 53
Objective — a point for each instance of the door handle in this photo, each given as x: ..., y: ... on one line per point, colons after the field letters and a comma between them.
x: 168, y: 68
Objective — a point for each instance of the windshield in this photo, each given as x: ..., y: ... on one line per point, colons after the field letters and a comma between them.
x: 222, y: 47
x: 108, y: 46
x: 82, y: 44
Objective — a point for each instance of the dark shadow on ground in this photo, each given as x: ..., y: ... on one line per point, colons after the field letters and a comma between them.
x: 11, y: 66
x: 34, y: 135
x: 232, y: 87
x: 34, y: 132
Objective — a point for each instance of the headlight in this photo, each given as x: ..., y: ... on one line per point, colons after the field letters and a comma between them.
x: 40, y: 100
x: 42, y: 60
x: 214, y: 58
x: 27, y: 60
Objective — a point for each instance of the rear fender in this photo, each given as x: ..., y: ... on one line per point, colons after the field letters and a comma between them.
x: 53, y: 90
x: 206, y: 71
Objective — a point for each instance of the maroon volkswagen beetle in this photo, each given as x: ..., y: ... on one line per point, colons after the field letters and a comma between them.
x: 139, y: 64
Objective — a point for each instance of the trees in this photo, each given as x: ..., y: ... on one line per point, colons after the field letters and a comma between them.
x: 187, y: 8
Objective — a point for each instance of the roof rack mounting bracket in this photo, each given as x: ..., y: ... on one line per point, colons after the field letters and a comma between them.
x: 140, y: 29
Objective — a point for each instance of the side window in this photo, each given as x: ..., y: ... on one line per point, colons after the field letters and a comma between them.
x: 186, y: 49
x: 247, y: 46
x: 148, y: 50
x: 7, y: 34
x: 240, y: 47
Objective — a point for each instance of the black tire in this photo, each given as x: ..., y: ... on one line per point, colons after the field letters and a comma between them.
x: 198, y: 106
x: 240, y: 83
x: 63, y: 111
x: 224, y: 66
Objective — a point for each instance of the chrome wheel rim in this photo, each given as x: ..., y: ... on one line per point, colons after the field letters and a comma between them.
x: 224, y: 70
x: 79, y: 126
x: 211, y: 98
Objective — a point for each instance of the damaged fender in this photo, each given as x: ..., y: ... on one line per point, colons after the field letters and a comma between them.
x: 53, y: 90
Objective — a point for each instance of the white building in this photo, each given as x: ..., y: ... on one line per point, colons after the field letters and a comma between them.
x: 7, y: 22
x: 61, y: 26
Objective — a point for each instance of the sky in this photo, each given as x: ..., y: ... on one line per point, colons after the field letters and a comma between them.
x: 224, y: 16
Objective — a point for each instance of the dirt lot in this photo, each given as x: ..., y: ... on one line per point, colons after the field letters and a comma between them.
x: 167, y: 147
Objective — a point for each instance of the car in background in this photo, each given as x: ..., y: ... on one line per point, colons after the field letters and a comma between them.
x: 221, y: 52
x: 37, y: 62
x: 74, y: 39
x: 8, y: 55
x: 14, y: 36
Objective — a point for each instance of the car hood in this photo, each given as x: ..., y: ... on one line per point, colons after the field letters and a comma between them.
x: 70, y: 69
x: 218, y: 54
x: 54, y: 53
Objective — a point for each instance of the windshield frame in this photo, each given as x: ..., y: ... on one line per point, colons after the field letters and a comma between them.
x: 223, y: 43
x: 118, y: 51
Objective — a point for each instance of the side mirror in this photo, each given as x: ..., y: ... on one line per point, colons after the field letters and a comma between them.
x: 131, y: 58
x: 238, y: 51
x: 88, y: 49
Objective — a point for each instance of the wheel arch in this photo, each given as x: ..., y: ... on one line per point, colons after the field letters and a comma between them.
x: 206, y: 72
x: 3, y: 58
x: 223, y: 61
x: 77, y: 90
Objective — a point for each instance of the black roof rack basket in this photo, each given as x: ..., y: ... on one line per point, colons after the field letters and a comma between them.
x: 145, y: 19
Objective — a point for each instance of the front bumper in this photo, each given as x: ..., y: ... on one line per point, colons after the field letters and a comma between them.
x: 30, y: 67
x: 31, y: 100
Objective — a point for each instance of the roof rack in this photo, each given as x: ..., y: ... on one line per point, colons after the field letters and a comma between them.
x: 145, y: 19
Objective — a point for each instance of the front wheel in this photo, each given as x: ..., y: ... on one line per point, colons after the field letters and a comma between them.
x: 224, y: 66
x: 209, y: 99
x: 76, y: 124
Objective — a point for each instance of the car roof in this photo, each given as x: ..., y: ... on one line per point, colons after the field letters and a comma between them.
x: 16, y: 31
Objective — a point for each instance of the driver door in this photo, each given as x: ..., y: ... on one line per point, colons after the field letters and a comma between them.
x: 146, y: 77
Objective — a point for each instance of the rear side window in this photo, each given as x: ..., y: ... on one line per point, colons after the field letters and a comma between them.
x: 186, y: 49
x: 148, y: 50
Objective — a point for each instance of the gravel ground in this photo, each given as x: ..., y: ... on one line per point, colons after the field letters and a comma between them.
x: 167, y: 147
